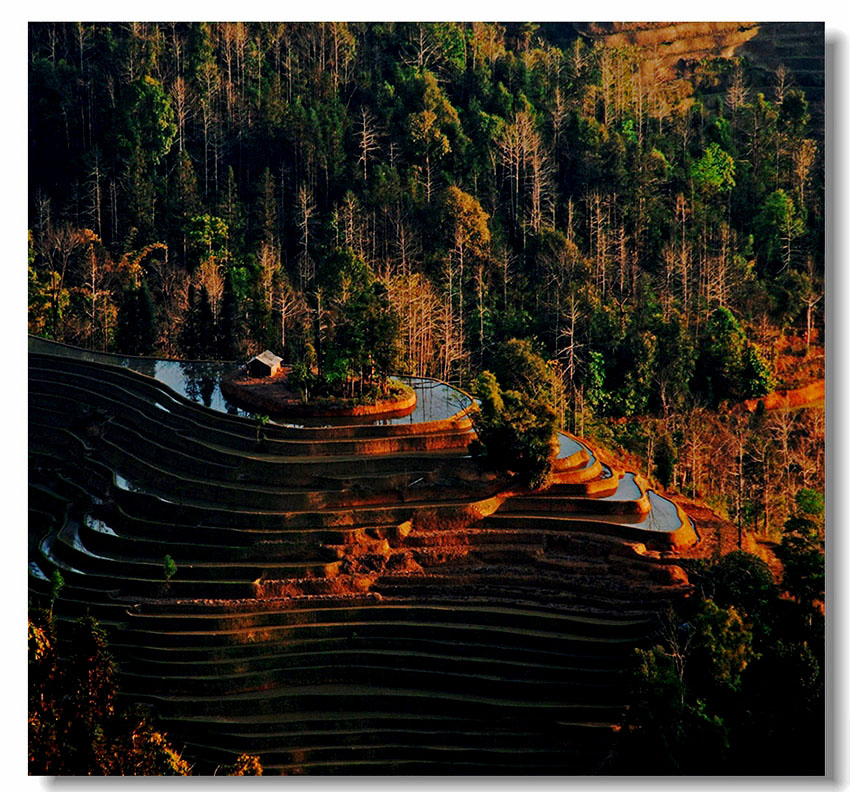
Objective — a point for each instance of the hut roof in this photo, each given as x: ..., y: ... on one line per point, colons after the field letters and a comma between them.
x: 269, y: 358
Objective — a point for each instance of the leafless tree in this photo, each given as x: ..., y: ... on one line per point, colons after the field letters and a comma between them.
x: 180, y: 102
x: 57, y: 246
x: 269, y: 267
x: 171, y: 283
x: 367, y: 137
x: 783, y: 80
x: 209, y: 276
x: 289, y: 305
x: 738, y: 93
x: 306, y: 208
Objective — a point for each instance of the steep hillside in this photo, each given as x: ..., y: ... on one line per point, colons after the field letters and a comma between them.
x: 347, y: 599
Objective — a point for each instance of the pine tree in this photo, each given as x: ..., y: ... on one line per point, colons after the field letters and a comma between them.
x: 136, y: 332
x: 206, y: 326
x: 229, y: 324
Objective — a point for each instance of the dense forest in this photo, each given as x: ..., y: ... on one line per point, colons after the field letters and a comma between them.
x: 413, y: 195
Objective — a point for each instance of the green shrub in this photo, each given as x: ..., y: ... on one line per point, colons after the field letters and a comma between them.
x: 57, y: 582
x: 810, y: 501
x: 260, y: 422
x: 169, y: 567
x: 516, y: 433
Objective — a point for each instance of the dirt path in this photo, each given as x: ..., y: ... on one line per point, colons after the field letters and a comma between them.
x: 811, y: 395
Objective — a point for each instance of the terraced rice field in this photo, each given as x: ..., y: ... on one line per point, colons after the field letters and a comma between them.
x: 668, y: 47
x: 350, y: 598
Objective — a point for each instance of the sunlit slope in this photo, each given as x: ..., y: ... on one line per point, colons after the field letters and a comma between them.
x: 348, y: 599
x: 669, y: 49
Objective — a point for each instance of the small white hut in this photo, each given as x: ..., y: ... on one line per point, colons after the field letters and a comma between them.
x: 265, y: 365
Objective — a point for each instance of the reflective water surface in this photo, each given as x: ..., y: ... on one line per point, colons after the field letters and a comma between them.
x: 199, y: 381
x: 627, y: 489
x: 568, y: 447
x: 664, y: 516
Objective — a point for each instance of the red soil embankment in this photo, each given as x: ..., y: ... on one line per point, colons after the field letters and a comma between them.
x: 811, y: 394
x: 717, y: 535
x: 713, y: 533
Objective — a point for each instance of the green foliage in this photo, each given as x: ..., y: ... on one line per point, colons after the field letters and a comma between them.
x: 301, y: 379
x: 802, y: 555
x: 720, y: 132
x: 517, y: 428
x: 39, y: 294
x: 466, y: 222
x: 433, y: 128
x: 148, y: 119
x: 190, y: 332
x: 595, y: 382
x: 775, y: 228
x: 728, y: 366
x: 722, y: 351
x: 57, y: 583
x: 714, y: 172
x: 205, y: 324
x: 520, y: 368
x: 490, y: 394
x: 742, y: 581
x: 384, y: 336
x: 208, y: 236
x: 76, y: 726
x: 426, y: 134
x: 365, y: 330
x: 636, y: 361
x: 674, y: 365
x: 229, y: 322
x: 261, y: 421
x: 755, y: 378
x: 665, y: 733
x: 705, y: 698
x: 232, y: 211
x: 665, y: 460
x: 169, y: 567
x: 654, y: 725
x: 136, y: 330
x: 810, y: 502
x: 186, y: 203
x: 794, y: 112
x: 724, y: 646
